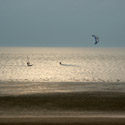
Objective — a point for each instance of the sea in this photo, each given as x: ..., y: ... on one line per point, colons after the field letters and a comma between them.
x: 86, y: 80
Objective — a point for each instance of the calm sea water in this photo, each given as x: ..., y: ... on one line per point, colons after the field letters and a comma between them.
x: 46, y: 84
x: 79, y: 64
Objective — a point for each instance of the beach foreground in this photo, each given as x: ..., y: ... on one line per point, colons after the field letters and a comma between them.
x: 69, y: 101
x: 75, y: 108
x: 63, y: 120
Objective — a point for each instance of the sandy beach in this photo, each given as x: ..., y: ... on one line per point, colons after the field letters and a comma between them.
x: 88, y: 108
x: 72, y: 101
x: 64, y: 120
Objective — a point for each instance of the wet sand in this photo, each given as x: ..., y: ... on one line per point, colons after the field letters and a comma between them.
x: 73, y: 101
x: 71, y: 108
x: 64, y: 120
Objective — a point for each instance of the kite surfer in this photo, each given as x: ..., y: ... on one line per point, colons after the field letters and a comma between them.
x: 96, y: 39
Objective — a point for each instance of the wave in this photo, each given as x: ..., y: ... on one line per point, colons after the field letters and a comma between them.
x: 70, y: 65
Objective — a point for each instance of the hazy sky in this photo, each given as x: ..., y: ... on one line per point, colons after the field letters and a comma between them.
x: 62, y: 22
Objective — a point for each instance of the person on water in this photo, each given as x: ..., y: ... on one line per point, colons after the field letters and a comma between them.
x: 28, y: 64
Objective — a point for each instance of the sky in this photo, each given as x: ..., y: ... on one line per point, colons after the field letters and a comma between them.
x: 62, y: 22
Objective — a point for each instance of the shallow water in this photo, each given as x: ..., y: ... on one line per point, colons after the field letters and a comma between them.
x: 29, y: 88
